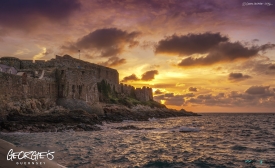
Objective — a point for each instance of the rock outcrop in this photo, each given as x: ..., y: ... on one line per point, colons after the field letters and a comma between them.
x: 58, y: 119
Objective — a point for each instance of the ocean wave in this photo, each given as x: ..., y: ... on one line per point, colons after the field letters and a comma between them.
x: 152, y: 119
x: 15, y: 133
x: 185, y: 129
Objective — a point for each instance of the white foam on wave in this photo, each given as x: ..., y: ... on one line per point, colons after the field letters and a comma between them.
x: 166, y: 130
x: 112, y: 126
x: 15, y: 133
x: 175, y: 129
x: 188, y: 129
x: 127, y: 121
x: 108, y: 126
x: 152, y: 119
x: 103, y: 126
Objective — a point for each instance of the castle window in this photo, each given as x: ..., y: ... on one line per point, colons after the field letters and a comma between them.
x: 73, y: 88
x: 83, y: 72
x: 80, y: 90
x: 62, y: 72
x: 24, y: 79
x: 49, y: 89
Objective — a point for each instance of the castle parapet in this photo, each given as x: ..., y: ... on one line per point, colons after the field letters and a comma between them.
x: 144, y: 93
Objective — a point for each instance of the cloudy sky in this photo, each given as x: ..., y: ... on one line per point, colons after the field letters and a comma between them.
x: 200, y: 55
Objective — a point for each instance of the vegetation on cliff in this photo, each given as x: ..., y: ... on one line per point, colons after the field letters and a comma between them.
x: 107, y: 94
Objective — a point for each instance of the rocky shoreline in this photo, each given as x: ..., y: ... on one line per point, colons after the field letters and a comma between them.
x: 59, y: 119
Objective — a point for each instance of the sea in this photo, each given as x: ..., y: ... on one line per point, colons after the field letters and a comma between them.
x: 210, y: 140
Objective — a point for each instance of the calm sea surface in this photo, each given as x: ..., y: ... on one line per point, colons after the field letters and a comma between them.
x: 212, y: 140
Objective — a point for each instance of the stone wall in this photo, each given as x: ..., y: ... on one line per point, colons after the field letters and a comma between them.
x: 144, y: 93
x: 14, y: 87
x: 11, y: 61
x: 126, y: 89
x: 141, y: 94
x: 77, y: 84
x: 108, y: 74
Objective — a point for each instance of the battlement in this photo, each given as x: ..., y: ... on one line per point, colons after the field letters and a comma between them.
x: 144, y: 93
x: 101, y: 72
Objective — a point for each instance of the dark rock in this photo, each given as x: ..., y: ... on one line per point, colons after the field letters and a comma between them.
x: 128, y: 127
x: 58, y: 119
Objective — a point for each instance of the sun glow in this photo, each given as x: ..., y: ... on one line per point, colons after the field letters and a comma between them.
x: 162, y: 101
x: 41, y: 54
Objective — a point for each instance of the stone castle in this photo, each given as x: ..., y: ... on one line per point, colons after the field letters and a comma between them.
x: 63, y: 77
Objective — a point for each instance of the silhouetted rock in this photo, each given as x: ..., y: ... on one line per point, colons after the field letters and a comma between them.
x: 59, y: 119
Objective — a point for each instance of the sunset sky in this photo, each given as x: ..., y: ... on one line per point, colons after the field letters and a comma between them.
x: 200, y: 55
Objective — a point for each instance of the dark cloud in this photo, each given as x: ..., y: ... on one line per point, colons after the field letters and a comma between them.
x: 217, y: 48
x: 265, y: 47
x: 26, y: 14
x: 235, y: 94
x: 175, y: 6
x: 218, y: 68
x: 176, y: 100
x: 223, y: 100
x: 259, y: 96
x: 225, y: 52
x: 241, y: 96
x: 159, y: 98
x: 236, y: 77
x: 189, y: 44
x: 255, y: 40
x: 149, y: 75
x: 194, y: 14
x: 261, y: 65
x: 163, y: 85
x: 254, y: 90
x: 221, y: 95
x: 169, y: 95
x: 210, y: 100
x: 232, y: 99
x: 173, y: 99
x: 113, y: 61
x: 208, y: 96
x: 132, y: 77
x: 192, y: 89
x: 189, y: 95
x: 272, y: 67
x: 170, y: 99
x: 107, y: 42
x: 158, y: 92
